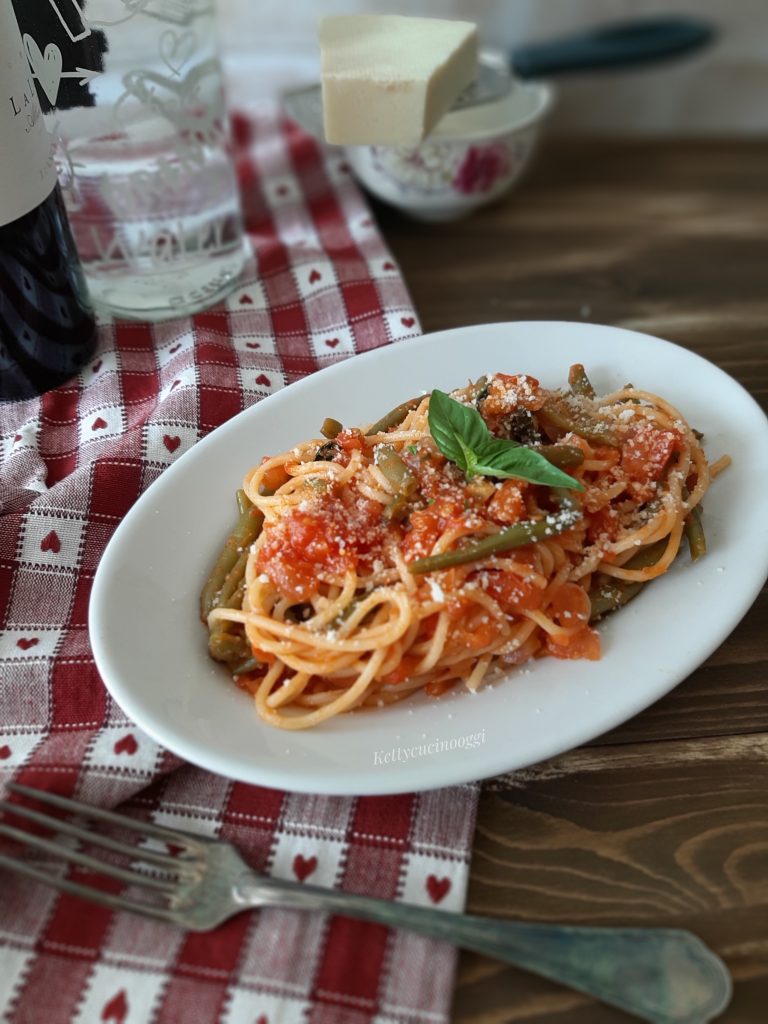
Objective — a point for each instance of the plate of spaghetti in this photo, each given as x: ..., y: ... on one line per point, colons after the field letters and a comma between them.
x: 551, y: 527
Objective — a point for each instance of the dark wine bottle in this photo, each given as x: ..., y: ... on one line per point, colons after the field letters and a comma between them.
x: 47, y: 328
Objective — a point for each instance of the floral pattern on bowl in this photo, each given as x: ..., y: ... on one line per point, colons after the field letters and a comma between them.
x: 448, y: 167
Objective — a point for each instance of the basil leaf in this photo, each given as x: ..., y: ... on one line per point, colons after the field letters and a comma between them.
x: 459, y: 430
x: 462, y: 436
x: 503, y: 459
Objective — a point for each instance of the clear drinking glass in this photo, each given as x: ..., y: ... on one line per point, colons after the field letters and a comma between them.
x: 134, y: 93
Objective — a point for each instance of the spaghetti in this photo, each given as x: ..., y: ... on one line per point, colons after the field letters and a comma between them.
x: 383, y: 568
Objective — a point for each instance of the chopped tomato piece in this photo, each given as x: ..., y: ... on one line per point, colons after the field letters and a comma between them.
x: 425, y: 529
x: 267, y: 657
x: 275, y: 477
x: 507, y: 506
x: 647, y: 451
x: 603, y: 453
x: 571, y: 605
x: 403, y: 671
x: 350, y: 440
x: 584, y: 644
x: 509, y: 392
x: 476, y: 636
x: 511, y: 592
x: 603, y: 525
x: 332, y: 538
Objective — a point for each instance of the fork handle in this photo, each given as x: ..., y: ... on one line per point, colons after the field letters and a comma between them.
x: 662, y: 975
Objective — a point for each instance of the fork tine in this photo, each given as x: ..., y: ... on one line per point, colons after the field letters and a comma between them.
x: 97, y: 813
x: 67, y: 828
x: 86, y: 861
x: 86, y: 892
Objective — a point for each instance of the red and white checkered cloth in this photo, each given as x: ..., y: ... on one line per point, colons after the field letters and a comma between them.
x: 321, y: 286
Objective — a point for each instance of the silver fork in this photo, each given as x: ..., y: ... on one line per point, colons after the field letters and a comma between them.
x: 662, y: 975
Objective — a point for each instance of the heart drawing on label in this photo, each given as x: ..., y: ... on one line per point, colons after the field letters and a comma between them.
x: 171, y: 443
x: 176, y: 50
x: 46, y: 67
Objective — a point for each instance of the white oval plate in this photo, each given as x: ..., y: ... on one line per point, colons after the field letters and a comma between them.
x: 150, y: 646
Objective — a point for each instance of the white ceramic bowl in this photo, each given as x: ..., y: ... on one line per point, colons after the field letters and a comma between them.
x: 471, y: 158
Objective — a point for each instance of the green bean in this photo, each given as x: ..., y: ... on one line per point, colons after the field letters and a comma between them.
x: 393, y: 418
x: 580, y: 382
x: 233, y: 583
x: 516, y: 536
x: 249, y: 665
x: 223, y: 646
x: 558, y: 413
x: 397, y: 472
x: 331, y: 428
x: 611, y: 594
x: 397, y: 509
x: 694, y: 534
x: 564, y: 456
x: 240, y: 539
x: 244, y: 503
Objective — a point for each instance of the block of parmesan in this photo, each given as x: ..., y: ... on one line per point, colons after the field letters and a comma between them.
x: 387, y: 80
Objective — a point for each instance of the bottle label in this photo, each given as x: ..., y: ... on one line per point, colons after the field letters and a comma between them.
x: 27, y: 170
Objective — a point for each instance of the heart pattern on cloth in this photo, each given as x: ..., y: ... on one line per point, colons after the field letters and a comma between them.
x: 407, y: 321
x: 126, y: 745
x: 51, y: 542
x: 177, y: 50
x: 96, y: 366
x: 17, y: 438
x: 175, y: 348
x: 264, y: 380
x: 263, y: 1019
x: 175, y: 385
x: 438, y: 888
x: 331, y: 342
x: 174, y: 850
x: 171, y: 443
x: 252, y: 344
x: 99, y: 424
x: 315, y: 276
x: 116, y: 1010
x: 389, y: 265
x: 246, y: 300
x: 46, y: 67
x: 303, y: 866
x: 5, y: 752
x: 25, y: 642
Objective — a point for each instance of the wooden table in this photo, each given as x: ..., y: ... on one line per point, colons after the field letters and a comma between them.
x: 665, y: 820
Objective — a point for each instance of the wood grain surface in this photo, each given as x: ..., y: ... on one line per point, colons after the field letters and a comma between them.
x: 663, y: 821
